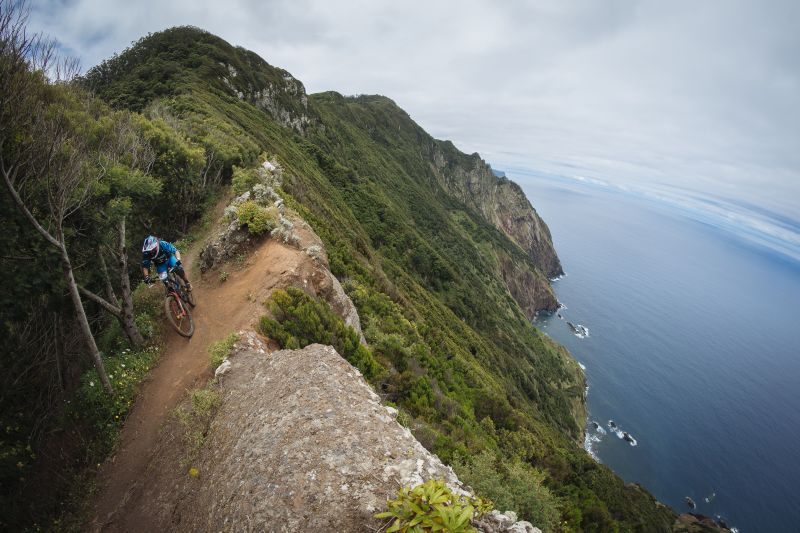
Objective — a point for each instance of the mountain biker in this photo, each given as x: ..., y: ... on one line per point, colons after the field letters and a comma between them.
x: 165, y: 256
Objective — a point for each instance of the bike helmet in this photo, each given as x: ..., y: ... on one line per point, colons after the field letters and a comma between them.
x: 150, y: 248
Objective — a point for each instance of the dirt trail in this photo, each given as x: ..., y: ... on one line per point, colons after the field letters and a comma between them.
x: 221, y: 308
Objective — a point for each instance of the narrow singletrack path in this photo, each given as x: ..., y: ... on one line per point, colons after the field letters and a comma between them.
x: 222, y: 307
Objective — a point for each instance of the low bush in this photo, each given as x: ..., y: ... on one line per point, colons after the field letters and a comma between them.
x: 243, y: 179
x: 257, y: 218
x: 432, y: 506
x: 126, y: 369
x: 148, y: 305
x: 512, y: 485
x: 298, y: 320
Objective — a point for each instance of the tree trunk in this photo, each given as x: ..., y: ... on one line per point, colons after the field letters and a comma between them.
x: 83, y: 321
x: 59, y: 350
x: 128, y: 318
x: 112, y: 298
x: 122, y: 311
x: 66, y: 265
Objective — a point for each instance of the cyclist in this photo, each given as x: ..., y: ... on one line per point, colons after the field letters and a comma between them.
x: 165, y: 256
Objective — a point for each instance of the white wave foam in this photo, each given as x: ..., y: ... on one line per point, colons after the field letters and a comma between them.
x: 589, y: 443
x: 621, y: 435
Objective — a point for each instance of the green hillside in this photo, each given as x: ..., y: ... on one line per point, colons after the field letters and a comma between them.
x: 440, y: 286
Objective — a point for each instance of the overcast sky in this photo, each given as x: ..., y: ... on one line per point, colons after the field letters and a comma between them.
x: 702, y: 95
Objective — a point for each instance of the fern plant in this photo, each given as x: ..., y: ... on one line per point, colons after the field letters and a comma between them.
x: 432, y: 506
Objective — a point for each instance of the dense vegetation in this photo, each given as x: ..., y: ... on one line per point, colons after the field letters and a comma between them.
x: 448, y: 343
x: 94, y: 181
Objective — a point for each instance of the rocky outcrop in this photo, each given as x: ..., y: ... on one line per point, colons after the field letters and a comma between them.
x: 499, y: 200
x: 300, y: 442
x: 233, y: 238
x: 278, y: 93
x: 312, y: 275
x: 697, y: 523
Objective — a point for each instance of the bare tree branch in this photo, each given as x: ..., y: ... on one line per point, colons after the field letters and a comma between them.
x: 25, y: 211
x: 99, y: 300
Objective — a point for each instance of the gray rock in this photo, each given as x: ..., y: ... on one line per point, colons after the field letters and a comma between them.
x: 230, y: 242
x: 497, y: 522
x: 299, y: 434
x: 300, y: 442
x: 222, y: 369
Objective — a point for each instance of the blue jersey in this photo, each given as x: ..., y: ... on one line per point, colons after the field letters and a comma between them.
x: 165, y: 252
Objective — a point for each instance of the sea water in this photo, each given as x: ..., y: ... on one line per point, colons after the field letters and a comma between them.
x: 691, y: 346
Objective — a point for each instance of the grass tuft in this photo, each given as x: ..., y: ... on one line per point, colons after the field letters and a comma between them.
x: 221, y: 350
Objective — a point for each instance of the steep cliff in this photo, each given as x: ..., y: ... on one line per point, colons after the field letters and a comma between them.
x: 362, y: 126
x: 499, y: 200
x: 502, y: 203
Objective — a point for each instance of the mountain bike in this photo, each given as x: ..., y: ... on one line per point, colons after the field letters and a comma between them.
x: 178, y: 312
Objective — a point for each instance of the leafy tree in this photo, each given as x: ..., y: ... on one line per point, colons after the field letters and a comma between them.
x: 44, y: 159
x: 125, y: 185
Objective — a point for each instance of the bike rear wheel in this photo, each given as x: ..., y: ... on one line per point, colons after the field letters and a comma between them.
x: 179, y: 315
x: 189, y: 296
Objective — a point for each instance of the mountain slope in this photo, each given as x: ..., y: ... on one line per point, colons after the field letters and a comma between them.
x: 444, y: 281
x: 359, y: 129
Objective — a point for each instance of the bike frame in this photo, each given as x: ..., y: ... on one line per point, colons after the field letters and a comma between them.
x: 173, y: 287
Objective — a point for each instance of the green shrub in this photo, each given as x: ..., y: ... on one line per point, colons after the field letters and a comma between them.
x: 126, y: 369
x: 432, y: 506
x: 258, y: 219
x: 221, y: 350
x: 148, y: 298
x: 512, y: 485
x: 299, y: 320
x: 146, y: 324
x: 244, y: 179
x: 148, y: 305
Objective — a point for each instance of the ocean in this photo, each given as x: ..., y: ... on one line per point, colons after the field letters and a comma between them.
x: 692, y: 346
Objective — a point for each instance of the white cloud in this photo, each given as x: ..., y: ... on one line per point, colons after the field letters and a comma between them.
x: 699, y: 95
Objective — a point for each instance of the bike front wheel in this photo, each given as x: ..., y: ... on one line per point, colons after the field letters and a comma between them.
x: 179, y: 315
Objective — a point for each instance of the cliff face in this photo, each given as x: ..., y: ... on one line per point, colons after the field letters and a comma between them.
x: 280, y: 94
x: 499, y: 200
x: 502, y: 203
x: 530, y: 288
x: 412, y: 163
